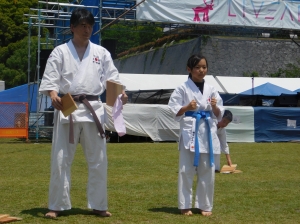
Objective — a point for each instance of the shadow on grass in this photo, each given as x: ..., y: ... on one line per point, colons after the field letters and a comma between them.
x: 13, y: 140
x: 40, y: 212
x: 171, y: 210
x: 24, y: 140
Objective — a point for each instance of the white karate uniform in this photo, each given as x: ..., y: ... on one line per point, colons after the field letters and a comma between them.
x: 182, y: 96
x: 221, y: 133
x: 65, y: 73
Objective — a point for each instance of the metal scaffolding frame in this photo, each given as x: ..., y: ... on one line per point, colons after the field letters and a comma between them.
x: 55, y: 15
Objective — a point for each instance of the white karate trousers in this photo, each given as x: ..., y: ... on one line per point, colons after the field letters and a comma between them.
x: 217, y: 161
x: 205, y: 181
x: 62, y: 155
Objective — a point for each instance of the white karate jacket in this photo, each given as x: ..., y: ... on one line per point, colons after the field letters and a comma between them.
x: 65, y: 73
x: 182, y: 96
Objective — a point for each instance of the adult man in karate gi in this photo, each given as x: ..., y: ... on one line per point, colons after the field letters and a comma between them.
x: 80, y: 68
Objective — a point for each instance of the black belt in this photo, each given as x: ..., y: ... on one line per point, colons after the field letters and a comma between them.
x: 88, y: 97
x: 82, y: 98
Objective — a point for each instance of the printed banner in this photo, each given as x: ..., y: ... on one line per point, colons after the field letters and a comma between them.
x: 283, y: 14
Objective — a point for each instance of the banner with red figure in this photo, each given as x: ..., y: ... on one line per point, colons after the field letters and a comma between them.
x: 283, y: 14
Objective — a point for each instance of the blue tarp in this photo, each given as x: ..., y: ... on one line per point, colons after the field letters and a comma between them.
x: 297, y: 90
x: 20, y: 94
x: 273, y: 124
x: 267, y: 89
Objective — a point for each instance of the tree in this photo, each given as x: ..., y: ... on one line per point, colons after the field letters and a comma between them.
x: 129, y: 36
x: 291, y: 71
x: 252, y: 74
x: 14, y: 69
x: 12, y: 13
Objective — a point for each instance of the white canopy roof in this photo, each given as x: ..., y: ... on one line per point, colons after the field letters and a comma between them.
x: 240, y: 84
x: 135, y: 82
x: 224, y: 84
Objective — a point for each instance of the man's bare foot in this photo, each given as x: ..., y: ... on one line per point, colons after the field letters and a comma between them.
x: 205, y: 213
x: 186, y: 212
x: 102, y: 213
x: 52, y: 214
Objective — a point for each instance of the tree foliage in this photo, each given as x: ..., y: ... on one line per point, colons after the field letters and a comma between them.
x: 14, y: 34
x: 14, y: 62
x: 291, y: 71
x: 252, y: 74
x: 131, y: 36
x: 12, y: 28
x: 14, y: 41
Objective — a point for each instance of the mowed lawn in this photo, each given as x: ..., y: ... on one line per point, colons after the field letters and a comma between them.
x: 142, y: 184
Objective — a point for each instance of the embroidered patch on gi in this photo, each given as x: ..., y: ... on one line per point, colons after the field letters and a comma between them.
x: 96, y: 59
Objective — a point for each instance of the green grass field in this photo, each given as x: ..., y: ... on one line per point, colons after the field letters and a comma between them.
x: 142, y: 184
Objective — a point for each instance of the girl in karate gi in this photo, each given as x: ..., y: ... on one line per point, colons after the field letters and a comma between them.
x: 198, y: 107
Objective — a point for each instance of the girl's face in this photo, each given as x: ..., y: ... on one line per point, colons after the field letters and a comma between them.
x: 199, y: 71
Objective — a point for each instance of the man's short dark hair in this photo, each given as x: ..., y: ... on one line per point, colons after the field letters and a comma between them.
x: 79, y: 15
x: 228, y: 115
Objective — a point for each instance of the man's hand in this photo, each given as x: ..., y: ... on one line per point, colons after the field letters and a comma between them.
x: 55, y: 100
x: 124, y: 97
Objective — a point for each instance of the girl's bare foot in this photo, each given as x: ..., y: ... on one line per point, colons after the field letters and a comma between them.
x: 186, y: 212
x: 205, y: 213
x: 52, y: 214
x: 102, y: 213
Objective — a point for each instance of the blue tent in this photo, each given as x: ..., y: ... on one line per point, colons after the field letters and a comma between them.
x: 267, y: 89
x: 20, y: 94
x: 297, y: 91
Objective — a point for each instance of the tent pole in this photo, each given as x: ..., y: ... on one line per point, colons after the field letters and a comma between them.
x: 253, y: 85
x: 218, y: 81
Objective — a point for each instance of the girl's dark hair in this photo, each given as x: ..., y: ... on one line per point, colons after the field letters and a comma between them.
x: 228, y: 115
x: 194, y: 60
x: 79, y: 15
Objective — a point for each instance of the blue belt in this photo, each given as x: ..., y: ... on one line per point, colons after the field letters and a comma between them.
x: 198, y: 115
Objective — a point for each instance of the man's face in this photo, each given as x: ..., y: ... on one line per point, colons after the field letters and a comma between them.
x: 83, y: 30
x: 223, y: 123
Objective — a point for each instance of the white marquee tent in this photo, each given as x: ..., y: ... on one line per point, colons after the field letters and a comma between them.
x: 135, y: 82
x: 241, y: 84
x: 224, y: 84
x: 155, y: 120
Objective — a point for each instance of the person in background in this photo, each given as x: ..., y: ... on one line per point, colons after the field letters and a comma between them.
x: 80, y: 68
x: 221, y: 132
x: 198, y: 107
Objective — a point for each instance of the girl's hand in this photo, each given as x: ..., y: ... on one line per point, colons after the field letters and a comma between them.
x: 192, y: 105
x: 213, y: 102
